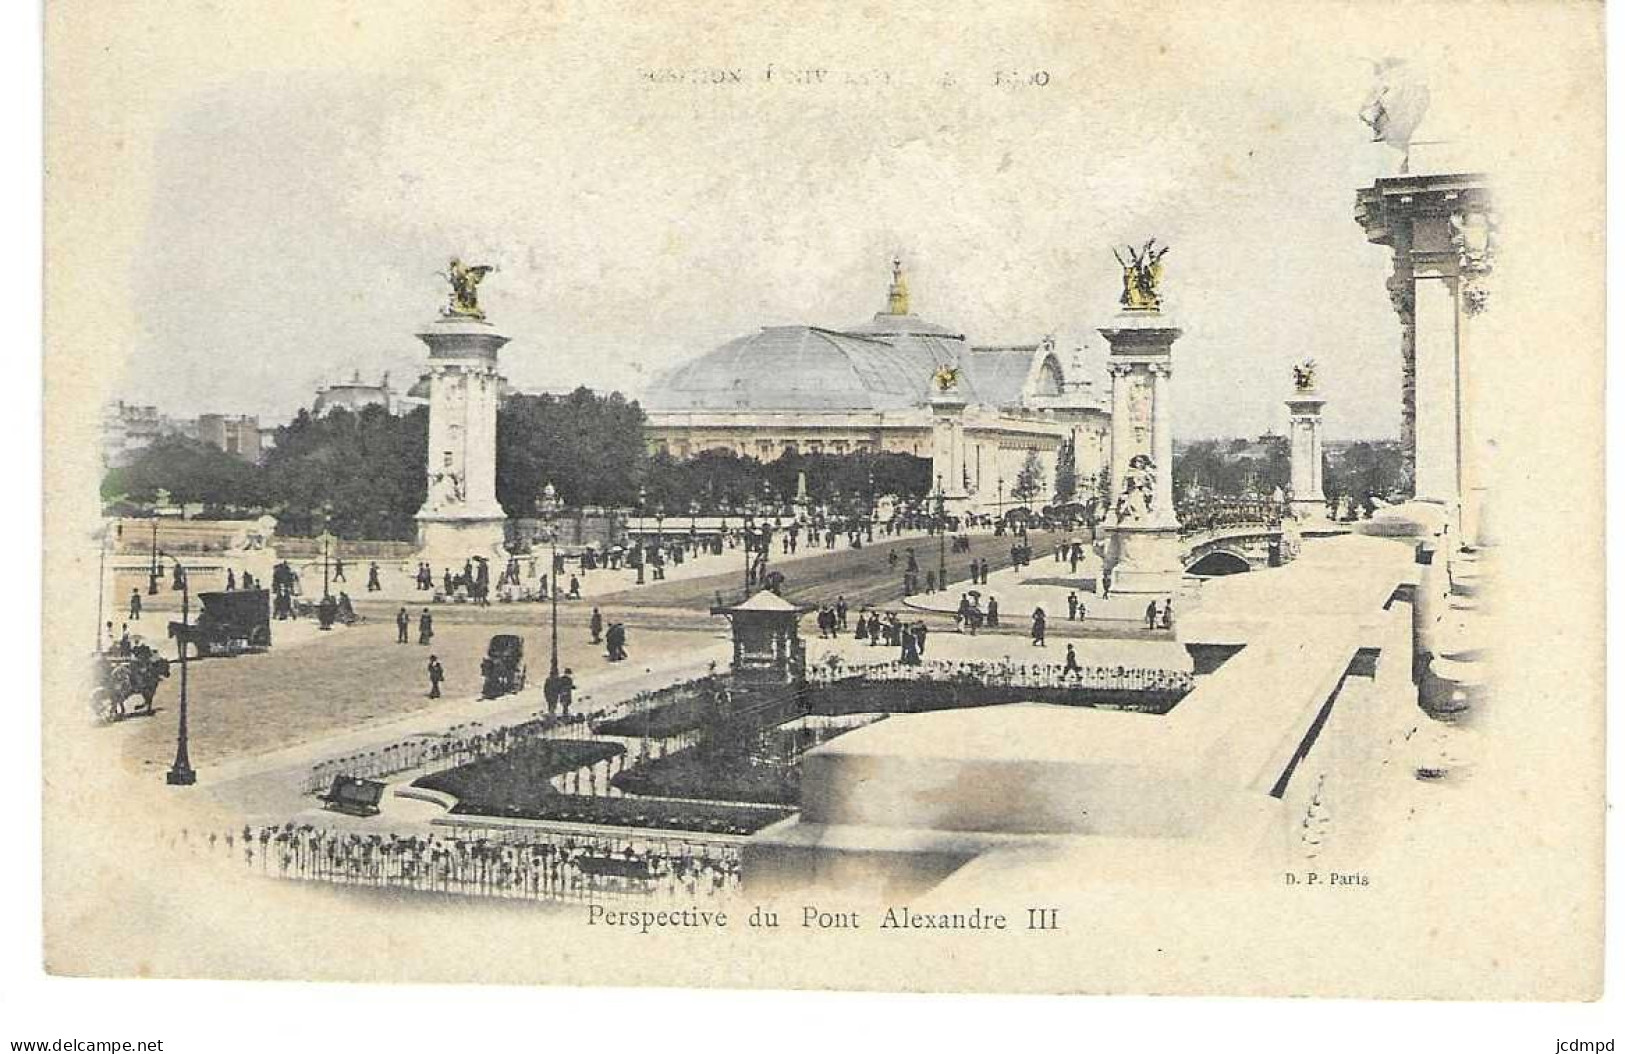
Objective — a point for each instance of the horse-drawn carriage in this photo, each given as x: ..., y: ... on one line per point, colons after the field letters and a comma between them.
x: 230, y: 623
x: 503, y: 668
x: 119, y: 674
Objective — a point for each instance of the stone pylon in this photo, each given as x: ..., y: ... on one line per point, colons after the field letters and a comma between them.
x: 1308, y: 499
x: 1142, y: 555
x: 461, y: 517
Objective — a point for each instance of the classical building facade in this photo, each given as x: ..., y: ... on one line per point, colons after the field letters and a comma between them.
x: 896, y: 383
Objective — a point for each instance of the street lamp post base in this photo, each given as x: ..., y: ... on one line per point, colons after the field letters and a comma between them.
x: 181, y: 777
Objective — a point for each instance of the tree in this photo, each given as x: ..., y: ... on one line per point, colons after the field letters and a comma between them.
x: 589, y: 446
x: 1029, y: 481
x: 191, y: 472
x: 1066, y: 473
x: 367, y: 467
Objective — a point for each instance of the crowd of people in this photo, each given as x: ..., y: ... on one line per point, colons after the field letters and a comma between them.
x: 506, y: 864
x: 1006, y: 672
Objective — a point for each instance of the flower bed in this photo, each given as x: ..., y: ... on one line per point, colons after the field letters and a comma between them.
x: 517, y: 777
x: 705, y: 817
x: 855, y: 695
x: 732, y: 775
x: 668, y: 712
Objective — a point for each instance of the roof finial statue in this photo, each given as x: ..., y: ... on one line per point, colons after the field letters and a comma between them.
x: 1142, y: 274
x: 465, y: 281
x: 897, y: 300
x: 946, y: 378
x: 1396, y: 104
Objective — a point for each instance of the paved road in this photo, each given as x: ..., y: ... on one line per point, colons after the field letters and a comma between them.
x: 356, y: 676
x: 863, y: 576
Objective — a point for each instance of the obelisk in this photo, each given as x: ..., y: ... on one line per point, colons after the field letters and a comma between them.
x: 1142, y: 555
x: 461, y: 517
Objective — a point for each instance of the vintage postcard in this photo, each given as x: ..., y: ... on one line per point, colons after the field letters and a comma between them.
x: 1042, y: 497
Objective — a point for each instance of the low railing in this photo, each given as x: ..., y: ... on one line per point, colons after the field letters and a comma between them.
x: 506, y: 863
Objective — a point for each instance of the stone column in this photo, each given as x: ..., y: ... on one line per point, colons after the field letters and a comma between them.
x: 1308, y: 487
x: 948, y: 448
x: 1162, y: 432
x: 1143, y: 552
x: 1441, y: 230
x: 460, y: 516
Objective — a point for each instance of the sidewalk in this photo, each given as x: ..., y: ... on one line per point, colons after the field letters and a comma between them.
x: 271, y: 781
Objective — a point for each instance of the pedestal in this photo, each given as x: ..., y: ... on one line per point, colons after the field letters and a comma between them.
x: 1144, y: 561
x: 450, y: 541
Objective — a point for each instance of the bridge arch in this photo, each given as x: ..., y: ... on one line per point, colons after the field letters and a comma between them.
x: 1218, y: 562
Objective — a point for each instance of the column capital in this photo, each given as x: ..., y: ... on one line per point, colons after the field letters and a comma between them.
x: 1160, y: 369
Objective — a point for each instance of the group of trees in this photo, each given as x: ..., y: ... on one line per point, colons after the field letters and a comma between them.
x: 1233, y: 467
x: 1366, y: 471
x: 722, y: 479
x: 1254, y: 468
x: 361, y: 474
x: 589, y: 446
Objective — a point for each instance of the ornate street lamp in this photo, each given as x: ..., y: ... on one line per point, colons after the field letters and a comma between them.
x: 152, y: 575
x: 643, y: 497
x: 550, y: 507
x: 942, y: 537
x: 181, y: 773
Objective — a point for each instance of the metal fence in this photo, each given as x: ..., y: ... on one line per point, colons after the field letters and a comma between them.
x: 486, y: 862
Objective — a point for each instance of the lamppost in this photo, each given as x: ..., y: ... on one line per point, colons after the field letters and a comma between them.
x: 152, y: 575
x: 942, y: 537
x: 550, y: 506
x: 643, y: 496
x: 181, y: 773
x: 660, y: 537
x: 999, y: 508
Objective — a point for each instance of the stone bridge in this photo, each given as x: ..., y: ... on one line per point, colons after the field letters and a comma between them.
x: 1228, y: 537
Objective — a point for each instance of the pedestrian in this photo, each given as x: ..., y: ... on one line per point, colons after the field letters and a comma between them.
x: 1071, y: 666
x: 373, y: 585
x: 425, y: 627
x: 575, y: 589
x: 231, y: 580
x: 567, y: 690
x: 1072, y: 606
x: 930, y: 581
x: 437, y: 673
x: 1038, y: 627
x: 596, y: 626
x: 840, y: 612
x: 992, y: 612
x: 402, y: 622
x: 135, y: 605
x: 338, y: 569
x: 1151, y: 615
x: 1168, y: 613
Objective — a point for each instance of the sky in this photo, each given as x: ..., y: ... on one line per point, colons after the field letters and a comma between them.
x: 648, y: 194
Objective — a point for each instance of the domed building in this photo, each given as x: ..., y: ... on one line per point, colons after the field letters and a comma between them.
x: 896, y: 383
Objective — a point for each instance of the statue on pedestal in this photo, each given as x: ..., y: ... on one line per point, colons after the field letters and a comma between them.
x: 1142, y: 274
x: 946, y: 378
x: 1303, y: 375
x: 465, y: 281
x: 1139, y: 490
